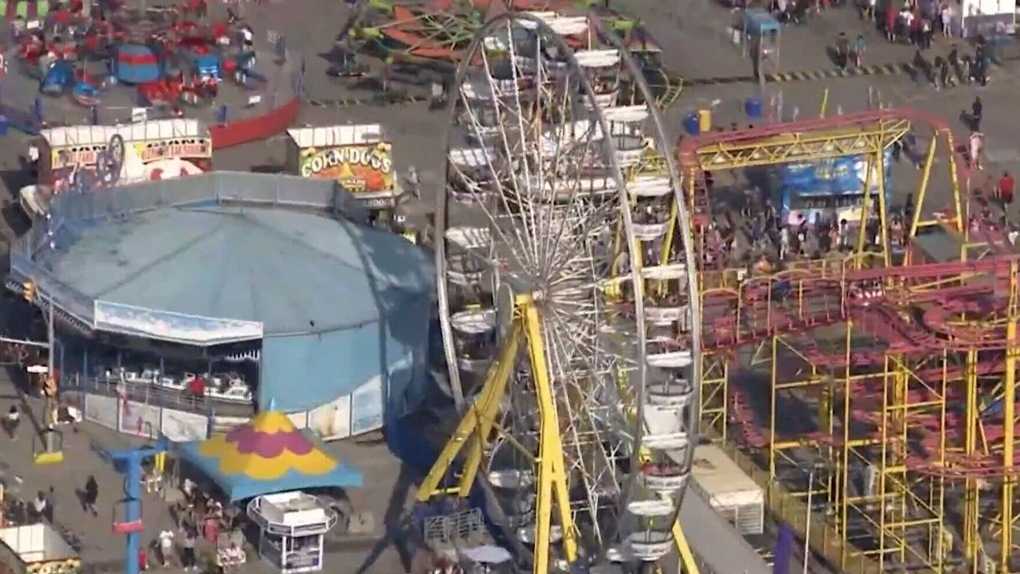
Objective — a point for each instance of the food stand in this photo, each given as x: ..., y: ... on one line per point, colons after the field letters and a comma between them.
x: 158, y: 149
x: 359, y: 157
x: 37, y: 549
x: 292, y: 526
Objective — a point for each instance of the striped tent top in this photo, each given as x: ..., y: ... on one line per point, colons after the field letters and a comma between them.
x: 25, y: 9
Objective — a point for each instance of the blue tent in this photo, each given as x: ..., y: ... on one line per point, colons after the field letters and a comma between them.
x: 265, y: 455
x: 135, y: 64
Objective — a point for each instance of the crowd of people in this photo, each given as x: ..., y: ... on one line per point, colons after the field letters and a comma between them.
x: 760, y: 234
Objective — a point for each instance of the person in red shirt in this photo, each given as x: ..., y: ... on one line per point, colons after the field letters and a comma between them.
x: 890, y: 23
x: 1007, y: 186
x: 143, y: 559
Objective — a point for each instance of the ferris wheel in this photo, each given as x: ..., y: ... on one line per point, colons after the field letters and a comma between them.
x: 566, y: 296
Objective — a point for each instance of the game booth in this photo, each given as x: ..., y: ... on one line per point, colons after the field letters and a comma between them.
x: 359, y: 157
x: 275, y: 471
x: 151, y: 150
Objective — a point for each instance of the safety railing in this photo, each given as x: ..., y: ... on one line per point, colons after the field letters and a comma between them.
x: 156, y: 396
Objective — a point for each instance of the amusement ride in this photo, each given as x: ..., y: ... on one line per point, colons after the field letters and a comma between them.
x: 879, y: 384
x: 434, y: 36
x: 568, y: 310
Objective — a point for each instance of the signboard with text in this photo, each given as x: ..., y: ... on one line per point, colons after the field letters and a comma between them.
x: 361, y: 168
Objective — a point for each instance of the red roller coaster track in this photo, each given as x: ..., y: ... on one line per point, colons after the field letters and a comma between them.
x: 913, y: 312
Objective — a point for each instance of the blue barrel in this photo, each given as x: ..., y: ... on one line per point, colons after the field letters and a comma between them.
x: 4, y: 124
x: 691, y: 124
x: 752, y: 107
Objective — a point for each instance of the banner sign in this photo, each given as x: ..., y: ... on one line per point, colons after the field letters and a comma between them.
x: 174, y: 327
x: 839, y: 176
x: 102, y: 410
x: 182, y: 426
x: 332, y: 421
x: 367, y: 407
x: 360, y: 168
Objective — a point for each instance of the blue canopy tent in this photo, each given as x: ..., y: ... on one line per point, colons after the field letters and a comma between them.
x: 265, y: 455
x: 135, y: 64
x: 760, y: 26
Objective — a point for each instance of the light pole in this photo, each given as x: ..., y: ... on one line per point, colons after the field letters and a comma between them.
x: 808, y: 513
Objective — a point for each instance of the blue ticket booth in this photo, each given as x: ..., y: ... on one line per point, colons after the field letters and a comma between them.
x: 761, y: 29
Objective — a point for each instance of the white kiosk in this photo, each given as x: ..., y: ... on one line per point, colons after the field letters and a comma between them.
x: 292, y: 525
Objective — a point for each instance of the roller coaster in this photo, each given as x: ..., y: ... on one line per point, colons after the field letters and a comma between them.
x: 881, y: 385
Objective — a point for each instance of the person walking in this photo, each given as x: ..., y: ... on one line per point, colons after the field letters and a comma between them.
x: 859, y: 50
x: 976, y: 108
x: 188, y: 550
x: 166, y: 547
x: 90, y: 495
x: 1006, y: 189
x: 13, y: 421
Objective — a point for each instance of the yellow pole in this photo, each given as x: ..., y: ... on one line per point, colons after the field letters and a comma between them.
x: 883, y: 209
x: 486, y: 410
x: 923, y: 187
x: 1009, y: 415
x: 552, y: 479
x: 687, y: 563
x: 825, y: 103
x: 865, y: 208
x: 971, y: 510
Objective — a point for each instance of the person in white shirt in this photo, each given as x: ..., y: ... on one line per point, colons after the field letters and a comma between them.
x: 32, y: 155
x: 247, y: 37
x: 166, y: 546
x: 976, y: 145
x: 13, y: 420
x: 39, y: 506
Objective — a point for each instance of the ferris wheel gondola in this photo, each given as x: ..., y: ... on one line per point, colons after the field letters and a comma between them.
x: 563, y: 244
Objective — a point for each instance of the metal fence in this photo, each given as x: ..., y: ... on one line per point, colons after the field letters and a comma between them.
x: 29, y: 111
x: 157, y: 396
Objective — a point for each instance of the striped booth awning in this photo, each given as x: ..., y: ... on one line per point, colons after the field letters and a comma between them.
x: 27, y: 10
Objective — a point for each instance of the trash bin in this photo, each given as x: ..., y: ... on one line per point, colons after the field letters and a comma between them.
x: 704, y: 121
x: 691, y: 124
x: 752, y: 107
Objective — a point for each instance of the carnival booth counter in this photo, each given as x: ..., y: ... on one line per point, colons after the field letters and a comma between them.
x: 267, y: 462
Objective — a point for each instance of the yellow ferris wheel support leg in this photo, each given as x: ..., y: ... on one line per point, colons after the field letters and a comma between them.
x: 474, y: 429
x: 687, y: 562
x: 476, y: 426
x: 552, y: 476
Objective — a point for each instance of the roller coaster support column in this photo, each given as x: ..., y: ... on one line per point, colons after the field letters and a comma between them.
x: 972, y: 489
x: 129, y: 464
x: 1009, y: 412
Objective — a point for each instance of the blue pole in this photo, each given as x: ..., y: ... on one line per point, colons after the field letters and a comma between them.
x: 784, y: 548
x: 129, y: 463
x: 223, y: 114
x: 38, y: 108
x: 95, y: 115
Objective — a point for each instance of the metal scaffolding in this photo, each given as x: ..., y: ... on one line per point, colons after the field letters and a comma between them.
x: 880, y: 386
